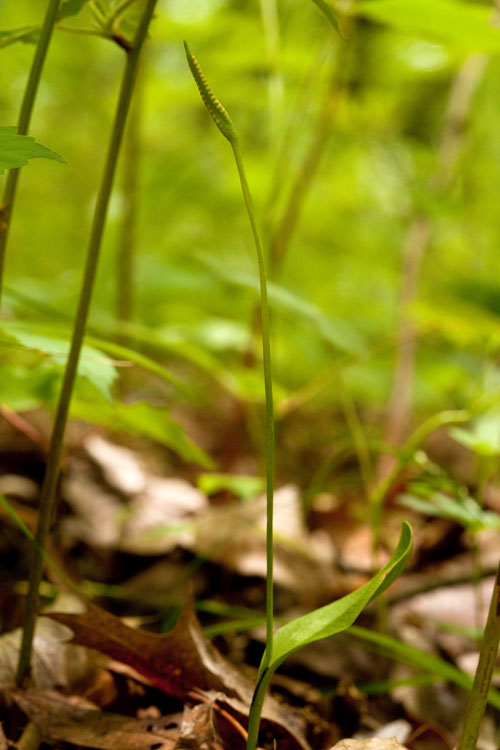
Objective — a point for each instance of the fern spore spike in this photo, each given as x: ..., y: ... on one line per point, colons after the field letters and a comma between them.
x: 217, y: 111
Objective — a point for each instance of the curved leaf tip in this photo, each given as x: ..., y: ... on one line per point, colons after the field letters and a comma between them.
x: 341, y: 614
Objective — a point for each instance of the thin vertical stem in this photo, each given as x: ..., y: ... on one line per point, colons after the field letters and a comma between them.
x: 258, y: 698
x: 478, y: 696
x: 268, y: 385
x: 30, y: 92
x: 56, y: 444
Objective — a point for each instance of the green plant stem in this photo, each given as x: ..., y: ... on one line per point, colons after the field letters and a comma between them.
x: 56, y: 444
x: 260, y: 691
x: 256, y: 707
x: 268, y: 386
x: 30, y: 92
x: 478, y: 696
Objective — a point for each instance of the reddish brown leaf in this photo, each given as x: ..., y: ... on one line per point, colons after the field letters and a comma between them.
x: 175, y: 663
x: 179, y: 663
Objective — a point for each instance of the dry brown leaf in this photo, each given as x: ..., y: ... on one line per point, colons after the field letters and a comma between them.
x: 61, y: 718
x: 373, y: 743
x: 178, y: 663
x: 54, y: 662
x: 234, y: 536
x: 121, y: 467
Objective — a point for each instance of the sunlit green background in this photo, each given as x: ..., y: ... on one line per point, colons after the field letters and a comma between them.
x: 195, y: 280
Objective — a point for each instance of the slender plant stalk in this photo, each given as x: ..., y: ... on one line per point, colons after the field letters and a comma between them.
x: 56, y: 444
x: 226, y: 127
x: 30, y: 92
x: 268, y: 384
x: 478, y: 696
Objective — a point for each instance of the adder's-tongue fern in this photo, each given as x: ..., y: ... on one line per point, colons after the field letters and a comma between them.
x: 226, y: 127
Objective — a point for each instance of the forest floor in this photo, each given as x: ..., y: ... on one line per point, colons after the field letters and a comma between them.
x: 158, y: 645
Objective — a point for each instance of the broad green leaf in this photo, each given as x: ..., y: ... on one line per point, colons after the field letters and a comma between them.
x: 93, y: 364
x: 421, y: 660
x: 339, y: 615
x: 464, y: 25
x: 143, y: 419
x: 15, y: 150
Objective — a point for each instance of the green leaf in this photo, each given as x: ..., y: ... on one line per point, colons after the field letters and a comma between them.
x: 15, y: 150
x: 421, y: 660
x: 466, y: 26
x: 93, y: 364
x: 465, y: 511
x: 340, y: 615
x: 143, y: 419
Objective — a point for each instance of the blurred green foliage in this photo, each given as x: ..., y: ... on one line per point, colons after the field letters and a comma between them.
x: 334, y: 302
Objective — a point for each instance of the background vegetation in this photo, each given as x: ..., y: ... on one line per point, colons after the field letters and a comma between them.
x: 194, y: 283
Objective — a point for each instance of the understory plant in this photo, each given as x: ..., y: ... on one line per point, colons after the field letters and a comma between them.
x: 339, y: 615
x: 133, y: 51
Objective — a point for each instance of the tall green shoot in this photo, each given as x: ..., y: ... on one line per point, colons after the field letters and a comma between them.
x: 56, y: 444
x: 28, y: 102
x: 226, y: 127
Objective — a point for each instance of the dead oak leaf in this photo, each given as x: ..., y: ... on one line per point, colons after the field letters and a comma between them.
x: 180, y: 663
x: 175, y: 663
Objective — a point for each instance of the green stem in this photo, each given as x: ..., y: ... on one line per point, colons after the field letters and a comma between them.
x: 30, y: 92
x: 256, y: 708
x: 268, y: 385
x: 260, y: 691
x: 478, y: 696
x: 56, y: 444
